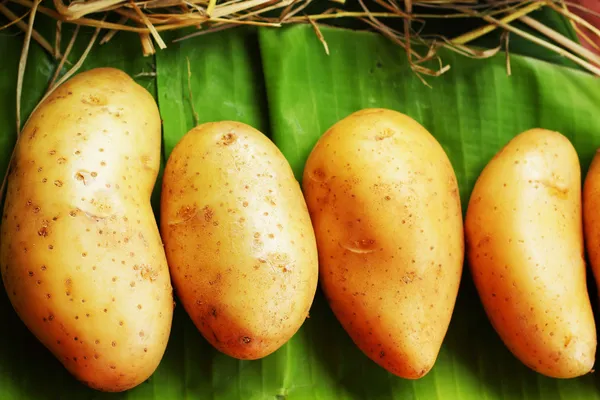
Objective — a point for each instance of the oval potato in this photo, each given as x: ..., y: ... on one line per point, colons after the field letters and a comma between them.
x: 525, y: 249
x: 81, y: 255
x: 238, y: 238
x: 591, y: 215
x: 384, y: 202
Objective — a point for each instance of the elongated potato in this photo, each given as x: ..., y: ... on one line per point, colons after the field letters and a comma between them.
x: 384, y: 202
x: 81, y: 255
x: 525, y: 249
x: 238, y: 237
x: 591, y: 215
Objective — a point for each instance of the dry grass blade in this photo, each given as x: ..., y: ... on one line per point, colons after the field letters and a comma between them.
x: 576, y: 19
x: 224, y: 10
x: 23, y: 62
x: 12, y: 20
x: 211, y: 7
x: 151, y: 27
x: 289, y: 13
x: 242, y: 22
x: 57, y: 38
x: 18, y: 21
x: 559, y: 50
x: 471, y: 52
x: 470, y: 36
x: 79, y: 9
x: 506, y: 36
x: 580, y: 7
x: 216, y: 28
x: 562, y: 40
x: 147, y: 45
x: 319, y: 35
x: 110, y: 34
x: 64, y: 58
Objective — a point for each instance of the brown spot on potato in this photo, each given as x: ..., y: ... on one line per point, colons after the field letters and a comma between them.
x: 208, y: 213
x: 384, y: 134
x: 147, y: 273
x: 227, y: 139
x: 408, y: 277
x: 33, y: 133
x: 97, y: 99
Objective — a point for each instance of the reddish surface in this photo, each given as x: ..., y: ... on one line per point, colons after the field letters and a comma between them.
x: 593, y: 5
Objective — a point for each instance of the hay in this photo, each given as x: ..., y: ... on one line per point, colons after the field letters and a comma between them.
x: 148, y: 18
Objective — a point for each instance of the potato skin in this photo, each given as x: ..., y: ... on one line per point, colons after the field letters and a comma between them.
x: 81, y: 255
x: 591, y: 215
x: 384, y: 202
x: 525, y: 249
x: 238, y: 238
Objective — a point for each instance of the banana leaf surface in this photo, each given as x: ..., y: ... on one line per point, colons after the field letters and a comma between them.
x: 282, y: 82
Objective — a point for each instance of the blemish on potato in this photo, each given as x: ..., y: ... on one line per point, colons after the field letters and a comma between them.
x: 94, y: 99
x: 246, y: 340
x: 43, y: 231
x: 227, y: 139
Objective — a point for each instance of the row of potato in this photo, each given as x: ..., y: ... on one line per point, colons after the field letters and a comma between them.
x: 84, y: 266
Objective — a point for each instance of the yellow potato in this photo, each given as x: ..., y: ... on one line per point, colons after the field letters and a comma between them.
x: 238, y: 238
x: 591, y: 215
x: 525, y: 249
x: 81, y: 255
x: 384, y: 202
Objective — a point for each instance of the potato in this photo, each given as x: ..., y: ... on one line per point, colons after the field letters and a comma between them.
x: 384, y: 203
x: 81, y: 255
x: 591, y: 215
x: 525, y: 248
x: 238, y: 238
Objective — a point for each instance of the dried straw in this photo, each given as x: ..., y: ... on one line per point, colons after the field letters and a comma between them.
x: 148, y: 18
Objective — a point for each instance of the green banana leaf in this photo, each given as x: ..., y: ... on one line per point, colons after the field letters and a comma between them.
x: 281, y: 82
